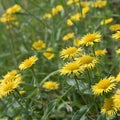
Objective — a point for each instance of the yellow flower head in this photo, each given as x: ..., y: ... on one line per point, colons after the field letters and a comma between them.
x: 99, y: 3
x: 21, y: 92
x: 106, y: 21
x: 100, y: 52
x: 72, y: 68
x: 10, y: 82
x: 69, y: 22
x: 116, y: 36
x: 85, y: 10
x: 77, y: 42
x: 70, y: 52
x: 118, y: 51
x: 50, y: 85
x: 47, y: 16
x: 87, y: 61
x: 116, y: 99
x: 39, y: 45
x: 109, y: 107
x: 70, y: 2
x: 76, y: 17
x: 49, y: 54
x: 82, y: 3
x: 68, y: 36
x: 115, y: 27
x: 90, y: 38
x: 14, y: 9
x: 57, y: 9
x: 104, y: 86
x: 28, y: 62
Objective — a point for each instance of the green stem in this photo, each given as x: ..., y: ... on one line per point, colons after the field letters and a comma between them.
x: 77, y: 84
x: 90, y: 81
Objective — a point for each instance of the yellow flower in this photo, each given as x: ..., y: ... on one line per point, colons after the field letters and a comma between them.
x: 9, y: 83
x: 76, y: 17
x: 28, y: 62
x: 104, y: 86
x: 50, y: 85
x: 70, y: 52
x: 116, y: 36
x: 69, y: 22
x: 77, y: 42
x: 116, y: 99
x: 72, y: 68
x: 100, y: 52
x: 7, y: 18
x: 14, y: 9
x: 82, y: 3
x: 85, y: 10
x: 118, y: 51
x: 57, y: 9
x: 87, y: 61
x: 106, y: 21
x: 39, y: 45
x: 99, y: 3
x: 68, y: 36
x: 115, y: 27
x: 118, y: 77
x: 109, y: 107
x: 49, y: 54
x: 70, y: 2
x: 21, y: 92
x: 47, y: 15
x: 90, y: 38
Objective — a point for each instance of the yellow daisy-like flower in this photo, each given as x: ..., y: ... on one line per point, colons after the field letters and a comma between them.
x: 69, y: 22
x: 118, y: 51
x: 104, y: 86
x: 21, y: 92
x: 90, y: 38
x: 87, y: 61
x: 70, y: 52
x: 70, y: 2
x: 76, y: 17
x: 9, y: 83
x: 109, y: 107
x: 116, y: 99
x: 99, y: 4
x: 72, y: 68
x: 82, y: 3
x: 77, y: 42
x: 68, y: 36
x: 116, y: 36
x: 85, y: 10
x: 115, y: 27
x: 50, y: 85
x: 28, y: 62
x: 57, y: 9
x: 100, y: 52
x: 13, y: 9
x: 49, y: 54
x: 39, y: 45
x: 106, y: 21
x: 47, y: 16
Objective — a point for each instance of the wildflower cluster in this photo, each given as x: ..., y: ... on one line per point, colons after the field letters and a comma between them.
x: 63, y: 60
x: 9, y: 16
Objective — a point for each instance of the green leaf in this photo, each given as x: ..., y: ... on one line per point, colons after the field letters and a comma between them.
x: 49, y: 109
x: 80, y: 114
